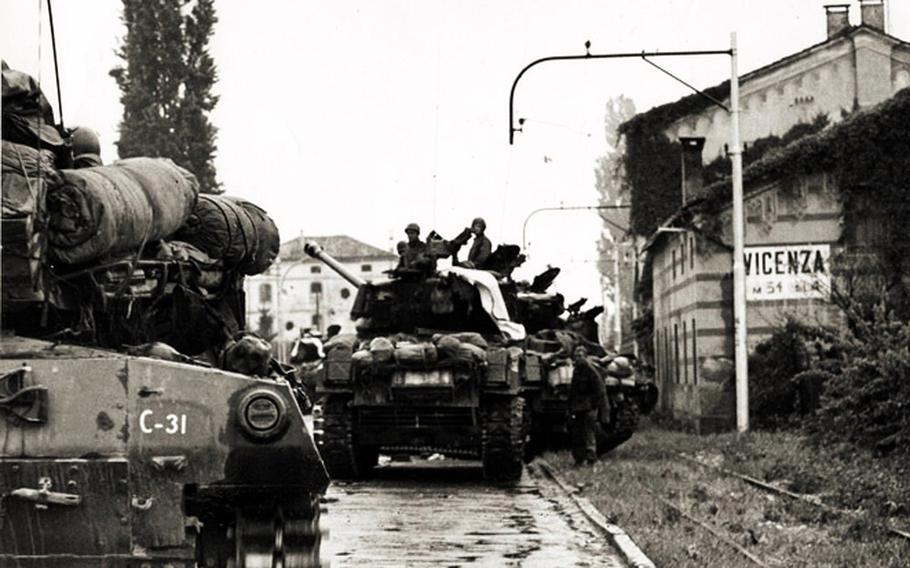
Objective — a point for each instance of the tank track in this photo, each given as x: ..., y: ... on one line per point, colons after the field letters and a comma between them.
x: 621, y: 428
x: 335, y: 439
x: 503, y: 438
x: 444, y: 450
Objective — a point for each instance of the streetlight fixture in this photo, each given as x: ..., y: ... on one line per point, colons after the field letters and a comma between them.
x: 739, y: 279
x: 524, y: 227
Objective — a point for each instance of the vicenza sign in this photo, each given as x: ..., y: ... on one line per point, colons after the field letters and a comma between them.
x: 794, y: 272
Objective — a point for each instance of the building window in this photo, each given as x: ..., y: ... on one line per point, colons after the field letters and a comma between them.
x: 366, y: 268
x: 345, y: 293
x: 667, y: 355
x: 660, y: 356
x: 676, y: 350
x: 674, y: 264
x: 316, y: 288
x: 682, y: 256
x: 316, y: 319
x: 315, y: 269
x: 685, y: 354
x: 694, y: 356
x: 265, y: 293
x: 691, y: 252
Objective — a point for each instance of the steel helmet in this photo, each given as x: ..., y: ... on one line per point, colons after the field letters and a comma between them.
x: 412, y: 227
x: 85, y: 141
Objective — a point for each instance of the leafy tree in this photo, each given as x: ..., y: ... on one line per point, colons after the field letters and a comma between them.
x: 166, y: 84
x: 611, y: 188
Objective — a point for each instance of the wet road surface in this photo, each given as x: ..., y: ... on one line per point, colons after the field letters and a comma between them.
x: 441, y: 513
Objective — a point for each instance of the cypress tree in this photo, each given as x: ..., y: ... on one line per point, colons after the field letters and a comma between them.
x: 166, y: 83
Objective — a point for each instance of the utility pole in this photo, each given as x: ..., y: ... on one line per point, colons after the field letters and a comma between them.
x: 739, y: 271
x: 617, y: 300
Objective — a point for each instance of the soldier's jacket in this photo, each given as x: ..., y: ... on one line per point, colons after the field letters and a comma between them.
x: 587, y: 391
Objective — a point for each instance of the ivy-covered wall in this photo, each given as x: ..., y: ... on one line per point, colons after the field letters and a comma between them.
x: 652, y: 161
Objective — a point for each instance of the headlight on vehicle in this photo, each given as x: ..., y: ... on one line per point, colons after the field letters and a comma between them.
x: 262, y: 414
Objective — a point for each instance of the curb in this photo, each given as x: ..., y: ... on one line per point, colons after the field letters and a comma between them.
x: 618, y: 537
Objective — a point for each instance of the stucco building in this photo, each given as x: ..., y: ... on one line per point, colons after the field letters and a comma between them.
x: 300, y: 292
x: 854, y: 67
x: 794, y: 211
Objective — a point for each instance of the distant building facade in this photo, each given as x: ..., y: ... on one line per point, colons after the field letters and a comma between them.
x: 299, y: 292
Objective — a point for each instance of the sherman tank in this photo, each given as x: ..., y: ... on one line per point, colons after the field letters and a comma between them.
x: 115, y: 460
x: 436, y: 366
x: 551, y: 340
x: 139, y: 424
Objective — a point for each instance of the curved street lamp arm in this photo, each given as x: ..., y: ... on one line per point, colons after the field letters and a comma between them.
x: 642, y: 54
x: 524, y: 227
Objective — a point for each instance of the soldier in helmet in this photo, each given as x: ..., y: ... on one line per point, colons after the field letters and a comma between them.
x: 481, y: 248
x: 414, y: 253
x: 86, y: 148
x: 587, y: 401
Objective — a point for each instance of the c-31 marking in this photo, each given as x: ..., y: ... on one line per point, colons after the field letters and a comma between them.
x: 173, y: 423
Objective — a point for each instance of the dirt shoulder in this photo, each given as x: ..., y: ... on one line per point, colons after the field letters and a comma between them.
x: 646, y: 488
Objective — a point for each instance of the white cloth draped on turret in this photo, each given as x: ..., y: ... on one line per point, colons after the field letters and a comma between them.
x: 491, y: 299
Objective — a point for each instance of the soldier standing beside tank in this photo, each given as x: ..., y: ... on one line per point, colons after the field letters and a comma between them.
x: 587, y: 401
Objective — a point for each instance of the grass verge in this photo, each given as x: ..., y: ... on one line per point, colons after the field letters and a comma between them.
x: 779, y: 530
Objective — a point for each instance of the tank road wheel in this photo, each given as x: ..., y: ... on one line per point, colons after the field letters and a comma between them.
x: 335, y: 438
x: 503, y: 438
x: 261, y: 539
x: 276, y: 541
x: 621, y: 427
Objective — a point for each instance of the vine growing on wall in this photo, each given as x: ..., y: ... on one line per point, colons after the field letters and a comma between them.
x: 651, y: 160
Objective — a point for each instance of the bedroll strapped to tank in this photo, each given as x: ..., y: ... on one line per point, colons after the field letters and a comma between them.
x: 109, y: 209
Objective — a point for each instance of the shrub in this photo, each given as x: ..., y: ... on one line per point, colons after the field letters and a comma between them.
x: 786, y: 371
x: 868, y: 402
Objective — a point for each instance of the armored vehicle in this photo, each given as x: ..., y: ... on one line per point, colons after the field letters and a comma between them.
x: 436, y: 367
x: 551, y: 340
x: 124, y: 459
x: 139, y: 425
x: 114, y: 460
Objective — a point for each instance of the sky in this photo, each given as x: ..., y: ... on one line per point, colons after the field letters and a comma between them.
x: 358, y: 117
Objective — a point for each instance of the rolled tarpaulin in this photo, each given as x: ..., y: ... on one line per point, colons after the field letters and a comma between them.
x: 268, y: 240
x: 120, y: 207
x: 234, y: 231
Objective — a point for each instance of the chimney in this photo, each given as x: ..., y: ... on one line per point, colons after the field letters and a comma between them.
x: 838, y: 16
x: 692, y: 175
x: 873, y: 13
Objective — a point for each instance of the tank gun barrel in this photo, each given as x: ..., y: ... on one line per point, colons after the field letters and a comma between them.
x: 313, y: 249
